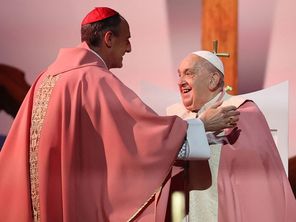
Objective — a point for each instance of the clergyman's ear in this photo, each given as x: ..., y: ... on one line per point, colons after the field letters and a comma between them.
x: 214, y: 81
x: 108, y: 39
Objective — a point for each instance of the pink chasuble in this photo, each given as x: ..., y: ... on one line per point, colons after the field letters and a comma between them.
x: 243, y: 182
x: 252, y: 183
x: 84, y: 147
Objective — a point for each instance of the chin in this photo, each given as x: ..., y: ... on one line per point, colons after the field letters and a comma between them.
x: 191, y: 107
x: 118, y: 66
x: 188, y: 106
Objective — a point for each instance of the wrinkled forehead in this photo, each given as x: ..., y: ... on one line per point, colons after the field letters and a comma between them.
x: 191, y: 62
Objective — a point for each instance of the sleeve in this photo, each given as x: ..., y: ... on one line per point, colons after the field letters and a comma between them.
x: 195, y: 146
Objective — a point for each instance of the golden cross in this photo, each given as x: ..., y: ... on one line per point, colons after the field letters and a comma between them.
x: 215, y: 50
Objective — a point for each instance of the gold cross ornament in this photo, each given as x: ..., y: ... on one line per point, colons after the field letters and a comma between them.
x: 215, y: 50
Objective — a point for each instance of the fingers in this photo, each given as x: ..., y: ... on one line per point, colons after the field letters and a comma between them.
x: 233, y: 135
x: 234, y: 130
x: 231, y: 113
x: 230, y: 122
x: 231, y: 125
x: 229, y: 108
x: 233, y: 119
x: 216, y: 133
x: 231, y: 116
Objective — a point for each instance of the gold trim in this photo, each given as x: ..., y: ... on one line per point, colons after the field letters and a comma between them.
x: 38, y: 114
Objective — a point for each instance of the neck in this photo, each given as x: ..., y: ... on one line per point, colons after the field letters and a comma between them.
x: 214, y: 94
x: 215, y: 98
x: 208, y: 100
x: 100, y: 53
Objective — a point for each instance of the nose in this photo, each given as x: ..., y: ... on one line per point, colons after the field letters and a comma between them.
x: 181, y: 81
x: 129, y: 47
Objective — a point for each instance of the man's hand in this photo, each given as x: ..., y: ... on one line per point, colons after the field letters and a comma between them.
x: 217, y: 118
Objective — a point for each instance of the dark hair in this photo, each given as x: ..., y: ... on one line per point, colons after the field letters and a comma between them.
x: 92, y: 33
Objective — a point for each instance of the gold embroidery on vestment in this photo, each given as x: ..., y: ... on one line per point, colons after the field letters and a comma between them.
x: 38, y: 114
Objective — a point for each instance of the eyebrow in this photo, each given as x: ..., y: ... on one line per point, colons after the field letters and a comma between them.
x: 186, y: 70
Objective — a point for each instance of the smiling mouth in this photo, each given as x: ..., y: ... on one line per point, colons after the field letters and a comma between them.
x: 185, y: 90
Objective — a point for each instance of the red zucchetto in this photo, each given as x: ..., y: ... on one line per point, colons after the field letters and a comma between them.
x: 98, y: 14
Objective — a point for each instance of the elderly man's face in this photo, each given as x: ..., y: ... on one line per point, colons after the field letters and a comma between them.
x: 193, y: 82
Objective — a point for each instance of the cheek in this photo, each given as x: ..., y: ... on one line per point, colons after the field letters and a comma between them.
x: 195, y: 85
x: 197, y: 91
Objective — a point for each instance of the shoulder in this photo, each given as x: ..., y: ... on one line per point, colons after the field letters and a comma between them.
x: 236, y: 101
x: 90, y: 74
x: 250, y: 107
